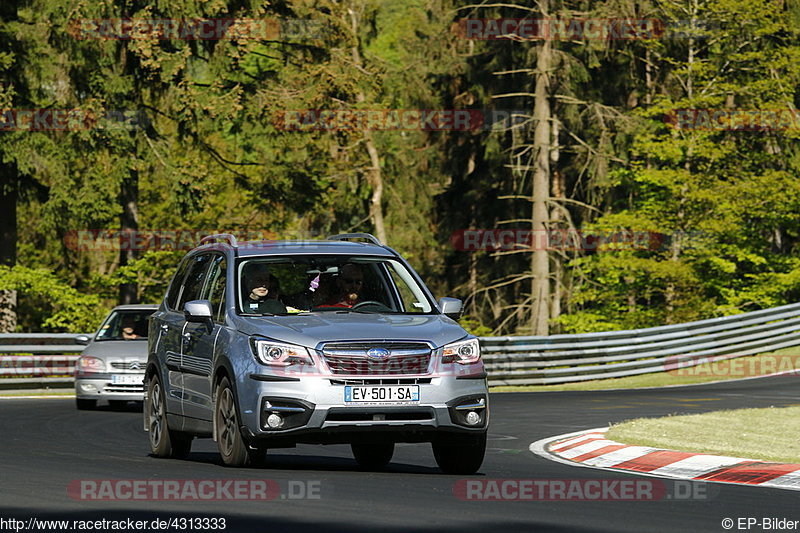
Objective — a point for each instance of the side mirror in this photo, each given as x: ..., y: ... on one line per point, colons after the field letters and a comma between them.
x: 199, y: 311
x: 82, y: 339
x: 451, y: 307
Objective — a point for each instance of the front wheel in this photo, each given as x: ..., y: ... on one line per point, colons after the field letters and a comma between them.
x: 463, y: 458
x: 164, y: 442
x: 230, y: 443
x: 373, y: 456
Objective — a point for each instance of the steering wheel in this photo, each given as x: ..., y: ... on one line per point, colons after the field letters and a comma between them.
x: 367, y: 303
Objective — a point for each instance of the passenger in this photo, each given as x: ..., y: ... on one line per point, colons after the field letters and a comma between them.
x: 348, y: 287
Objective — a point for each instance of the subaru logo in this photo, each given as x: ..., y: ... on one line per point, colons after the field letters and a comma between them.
x: 378, y: 353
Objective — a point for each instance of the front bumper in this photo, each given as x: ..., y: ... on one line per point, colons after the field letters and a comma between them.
x: 102, y: 387
x: 313, y: 410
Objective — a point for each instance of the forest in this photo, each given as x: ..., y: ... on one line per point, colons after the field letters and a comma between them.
x: 560, y: 166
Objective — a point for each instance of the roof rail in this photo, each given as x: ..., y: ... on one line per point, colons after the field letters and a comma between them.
x: 224, y: 236
x: 346, y: 236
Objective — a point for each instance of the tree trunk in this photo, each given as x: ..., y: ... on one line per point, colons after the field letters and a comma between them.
x: 375, y: 180
x: 129, y: 225
x: 540, y: 263
x: 676, y: 247
x: 374, y: 175
x: 9, y: 184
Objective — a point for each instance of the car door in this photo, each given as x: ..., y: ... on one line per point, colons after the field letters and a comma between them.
x: 165, y: 335
x: 199, y: 343
x: 178, y: 332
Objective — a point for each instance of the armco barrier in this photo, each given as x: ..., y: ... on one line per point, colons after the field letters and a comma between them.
x: 33, y: 359
x: 554, y: 359
x: 532, y: 360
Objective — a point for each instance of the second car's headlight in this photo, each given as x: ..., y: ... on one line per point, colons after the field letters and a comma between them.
x: 90, y: 365
x: 463, y: 352
x: 279, y: 354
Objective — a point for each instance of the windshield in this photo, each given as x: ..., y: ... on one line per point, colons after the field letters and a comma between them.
x: 124, y: 325
x: 303, y: 284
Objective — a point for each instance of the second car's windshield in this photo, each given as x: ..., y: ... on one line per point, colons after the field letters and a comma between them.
x: 298, y: 284
x: 124, y: 325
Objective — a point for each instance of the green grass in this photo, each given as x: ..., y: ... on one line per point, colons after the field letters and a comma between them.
x: 767, y: 434
x: 754, y: 365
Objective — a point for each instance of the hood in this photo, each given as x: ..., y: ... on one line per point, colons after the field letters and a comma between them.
x: 310, y: 330
x: 117, y: 349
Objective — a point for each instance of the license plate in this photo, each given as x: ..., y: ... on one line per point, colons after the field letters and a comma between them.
x: 127, y: 379
x: 381, y: 394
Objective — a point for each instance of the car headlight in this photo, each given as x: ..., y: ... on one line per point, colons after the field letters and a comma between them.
x: 463, y: 352
x: 89, y: 365
x: 279, y: 354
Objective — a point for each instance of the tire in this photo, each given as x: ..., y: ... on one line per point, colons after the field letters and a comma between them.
x: 460, y: 458
x: 373, y: 456
x: 164, y: 442
x: 85, y: 405
x: 231, y: 445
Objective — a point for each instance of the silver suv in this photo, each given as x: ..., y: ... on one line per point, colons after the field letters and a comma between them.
x: 264, y: 345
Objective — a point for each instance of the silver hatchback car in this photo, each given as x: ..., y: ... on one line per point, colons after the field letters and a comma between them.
x: 264, y: 345
x: 112, y: 366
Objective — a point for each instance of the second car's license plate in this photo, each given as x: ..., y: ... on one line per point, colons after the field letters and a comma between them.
x: 381, y: 394
x: 127, y: 379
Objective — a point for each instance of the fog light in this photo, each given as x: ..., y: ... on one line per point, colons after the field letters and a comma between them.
x: 274, y: 421
x: 88, y: 387
x: 473, y: 418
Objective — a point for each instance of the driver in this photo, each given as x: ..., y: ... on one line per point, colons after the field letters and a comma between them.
x: 262, y: 290
x: 348, y: 287
x: 128, y: 325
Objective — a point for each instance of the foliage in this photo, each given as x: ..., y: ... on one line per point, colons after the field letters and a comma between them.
x: 62, y: 307
x: 212, y: 154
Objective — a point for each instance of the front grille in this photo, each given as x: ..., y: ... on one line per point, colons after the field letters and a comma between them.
x: 350, y: 358
x: 124, y: 365
x: 385, y: 381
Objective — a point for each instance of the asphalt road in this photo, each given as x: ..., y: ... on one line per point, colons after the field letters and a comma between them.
x: 46, y: 445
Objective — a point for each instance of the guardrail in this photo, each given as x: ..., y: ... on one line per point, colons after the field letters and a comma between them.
x: 43, y: 359
x: 537, y: 360
x: 532, y: 360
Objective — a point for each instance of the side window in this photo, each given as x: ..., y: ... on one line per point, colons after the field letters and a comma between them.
x: 193, y: 286
x: 175, y: 287
x: 217, y: 277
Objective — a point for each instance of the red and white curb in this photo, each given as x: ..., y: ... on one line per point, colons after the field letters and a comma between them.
x: 590, y: 448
